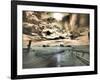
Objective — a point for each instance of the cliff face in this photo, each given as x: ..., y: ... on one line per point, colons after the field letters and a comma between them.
x: 54, y: 26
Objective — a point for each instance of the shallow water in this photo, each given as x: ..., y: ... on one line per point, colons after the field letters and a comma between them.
x: 41, y: 57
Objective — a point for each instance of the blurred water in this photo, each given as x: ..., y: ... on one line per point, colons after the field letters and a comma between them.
x: 41, y: 57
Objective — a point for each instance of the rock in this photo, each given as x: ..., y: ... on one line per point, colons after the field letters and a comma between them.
x: 61, y: 45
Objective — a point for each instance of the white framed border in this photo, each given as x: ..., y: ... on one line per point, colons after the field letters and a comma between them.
x: 21, y: 71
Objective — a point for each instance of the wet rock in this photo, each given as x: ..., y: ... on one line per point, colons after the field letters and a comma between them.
x: 61, y: 45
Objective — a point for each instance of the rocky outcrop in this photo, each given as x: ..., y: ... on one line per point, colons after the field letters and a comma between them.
x: 44, y: 25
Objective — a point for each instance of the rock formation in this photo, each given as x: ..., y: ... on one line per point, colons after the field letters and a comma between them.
x: 44, y: 25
